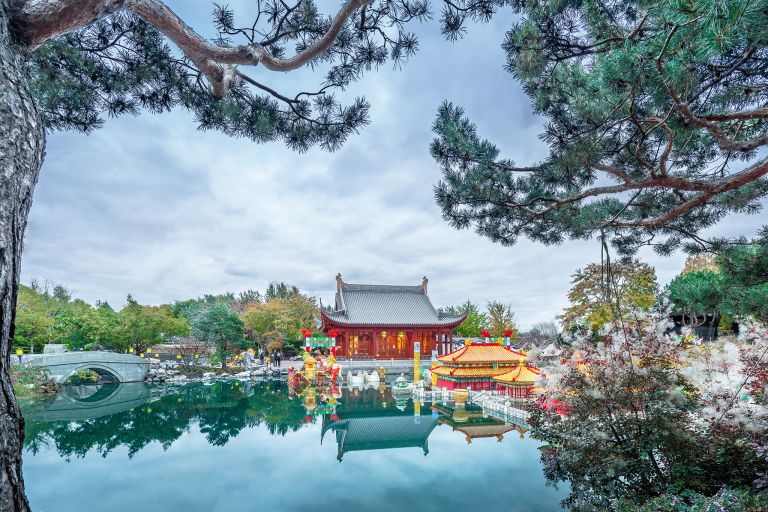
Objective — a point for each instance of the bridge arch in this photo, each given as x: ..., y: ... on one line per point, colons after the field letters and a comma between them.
x: 109, y: 373
x: 114, y: 367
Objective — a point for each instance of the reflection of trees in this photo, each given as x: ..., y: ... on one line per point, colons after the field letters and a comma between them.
x: 221, y: 410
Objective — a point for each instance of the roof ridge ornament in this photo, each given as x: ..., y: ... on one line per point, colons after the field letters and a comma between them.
x: 424, y: 284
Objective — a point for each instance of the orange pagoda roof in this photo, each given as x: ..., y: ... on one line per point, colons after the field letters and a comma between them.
x: 520, y: 374
x: 487, y: 353
x: 468, y: 371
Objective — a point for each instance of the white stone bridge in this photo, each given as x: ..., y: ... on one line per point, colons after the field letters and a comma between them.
x: 111, y: 366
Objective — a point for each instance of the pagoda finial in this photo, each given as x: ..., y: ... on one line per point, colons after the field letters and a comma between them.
x: 339, y: 282
x: 424, y: 283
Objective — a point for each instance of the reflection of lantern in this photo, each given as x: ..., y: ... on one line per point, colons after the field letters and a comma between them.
x: 310, y: 402
x: 460, y: 415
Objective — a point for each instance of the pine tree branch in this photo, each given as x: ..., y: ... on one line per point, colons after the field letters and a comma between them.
x: 723, y: 140
x: 36, y: 22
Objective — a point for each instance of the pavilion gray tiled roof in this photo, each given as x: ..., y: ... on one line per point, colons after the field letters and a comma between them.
x: 367, y: 304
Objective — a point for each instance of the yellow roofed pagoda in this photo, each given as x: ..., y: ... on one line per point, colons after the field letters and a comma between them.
x: 476, y: 364
x: 518, y: 382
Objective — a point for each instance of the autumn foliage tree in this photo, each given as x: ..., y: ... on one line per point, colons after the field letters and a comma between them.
x: 602, y: 292
x: 501, y: 318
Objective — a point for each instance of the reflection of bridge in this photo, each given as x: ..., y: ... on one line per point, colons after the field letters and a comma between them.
x: 75, y: 403
x: 110, y: 366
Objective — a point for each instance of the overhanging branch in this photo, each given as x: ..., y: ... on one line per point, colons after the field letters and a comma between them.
x: 36, y: 22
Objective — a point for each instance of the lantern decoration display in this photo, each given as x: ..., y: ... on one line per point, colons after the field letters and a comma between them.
x: 311, y: 342
x: 307, y: 333
x: 333, y: 333
x: 310, y: 368
x: 505, y: 341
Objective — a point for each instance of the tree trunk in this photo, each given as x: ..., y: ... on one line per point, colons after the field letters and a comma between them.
x: 22, y: 141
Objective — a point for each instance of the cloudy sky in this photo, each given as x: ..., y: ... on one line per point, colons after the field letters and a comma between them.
x: 152, y: 206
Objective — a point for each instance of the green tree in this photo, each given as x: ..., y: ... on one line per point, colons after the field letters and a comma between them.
x: 654, y: 112
x: 144, y: 326
x: 76, y: 324
x: 745, y: 277
x: 476, y: 320
x: 287, y: 315
x: 736, y: 287
x: 600, y: 291
x: 501, y: 318
x: 696, y: 294
x: 34, y: 320
x: 220, y: 327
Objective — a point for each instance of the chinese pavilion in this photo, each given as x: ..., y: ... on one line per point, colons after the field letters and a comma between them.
x: 475, y: 365
x: 518, y: 382
x: 384, y: 321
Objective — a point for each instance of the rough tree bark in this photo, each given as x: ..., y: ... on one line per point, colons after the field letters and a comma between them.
x: 22, y: 142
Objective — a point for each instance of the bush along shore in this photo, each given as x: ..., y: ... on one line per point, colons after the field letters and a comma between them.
x: 29, y: 380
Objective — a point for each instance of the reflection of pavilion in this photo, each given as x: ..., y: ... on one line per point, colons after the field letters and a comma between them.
x: 372, y: 420
x: 471, y: 422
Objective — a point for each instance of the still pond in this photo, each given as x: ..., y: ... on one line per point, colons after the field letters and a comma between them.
x: 243, y: 446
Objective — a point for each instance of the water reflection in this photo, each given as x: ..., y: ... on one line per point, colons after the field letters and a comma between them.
x: 251, y: 445
x: 134, y: 414
x: 105, y: 416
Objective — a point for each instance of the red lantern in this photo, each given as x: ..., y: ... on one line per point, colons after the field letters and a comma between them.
x: 485, y: 334
x: 307, y: 333
x: 333, y: 333
x: 508, y: 333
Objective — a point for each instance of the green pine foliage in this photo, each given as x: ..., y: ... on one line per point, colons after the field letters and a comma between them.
x: 652, y: 110
x: 476, y: 320
x: 739, y: 289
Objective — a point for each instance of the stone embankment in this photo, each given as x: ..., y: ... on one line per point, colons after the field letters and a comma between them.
x: 177, y: 373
